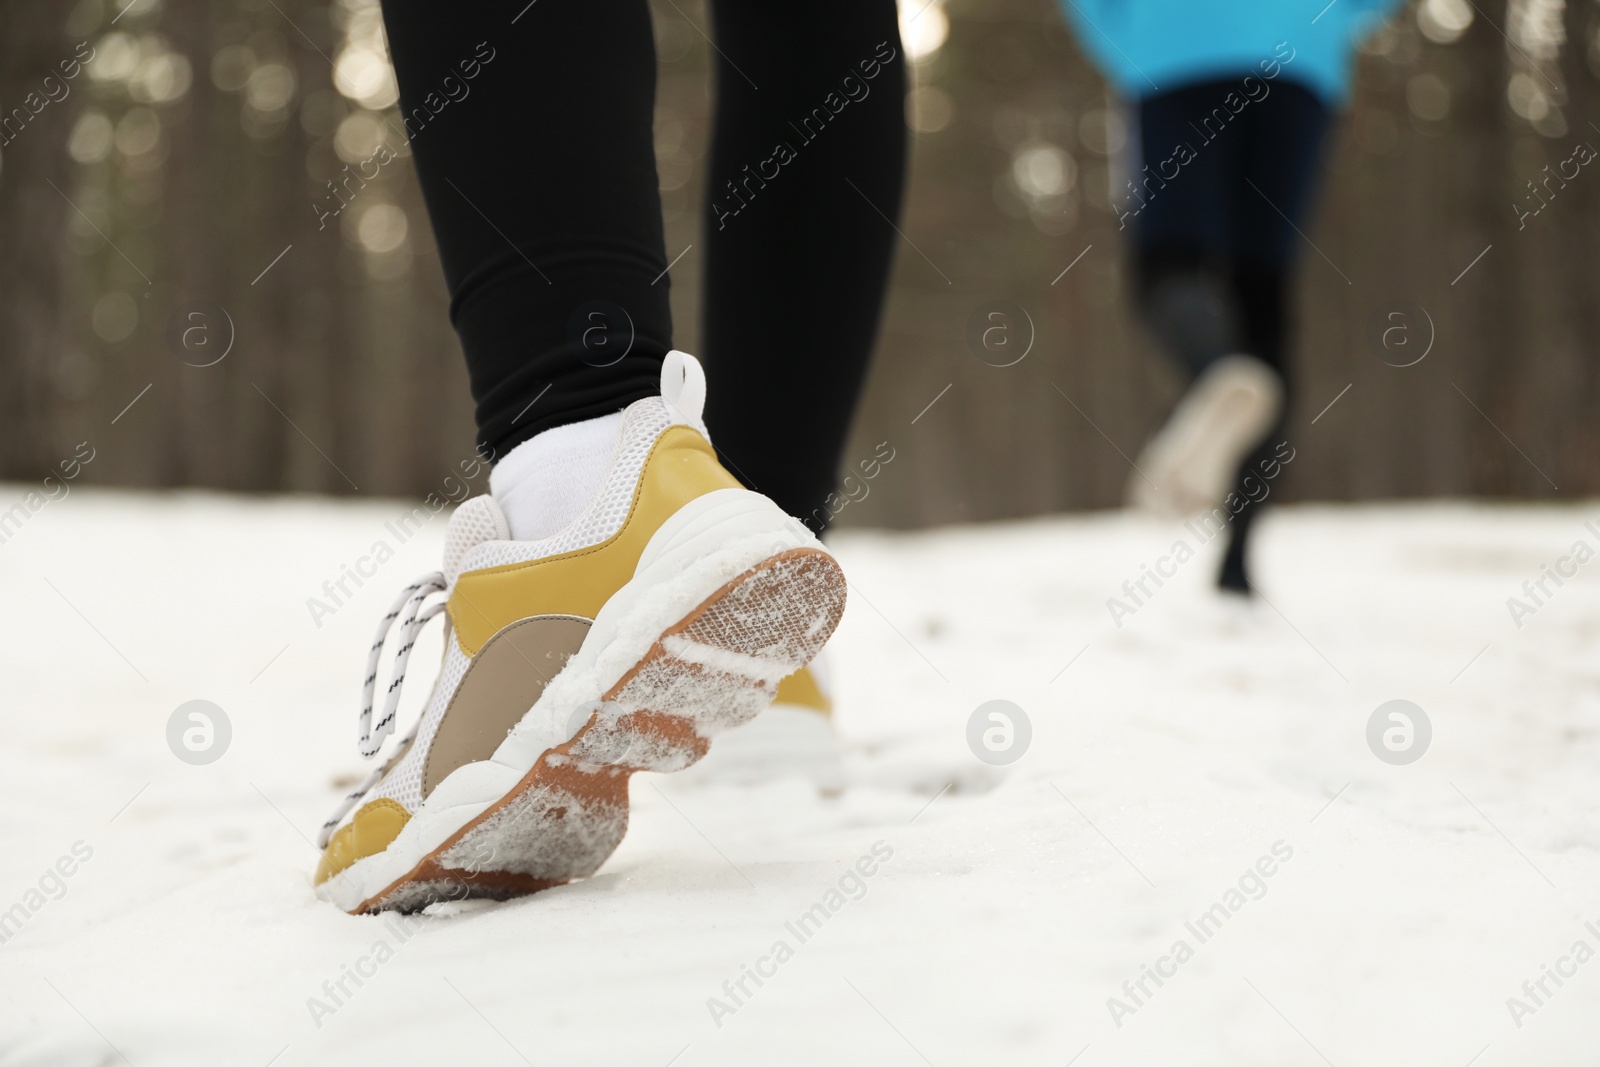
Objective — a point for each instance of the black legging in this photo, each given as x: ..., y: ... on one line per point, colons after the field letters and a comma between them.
x: 539, y: 175
x: 1217, y: 209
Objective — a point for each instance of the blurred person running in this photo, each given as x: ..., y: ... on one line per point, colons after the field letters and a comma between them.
x: 625, y: 592
x: 1232, y: 102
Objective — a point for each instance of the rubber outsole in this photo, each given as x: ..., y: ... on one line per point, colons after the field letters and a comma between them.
x: 716, y: 667
x: 1194, y: 459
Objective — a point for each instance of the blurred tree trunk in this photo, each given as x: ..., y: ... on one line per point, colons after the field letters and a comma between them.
x: 33, y: 262
x: 344, y: 372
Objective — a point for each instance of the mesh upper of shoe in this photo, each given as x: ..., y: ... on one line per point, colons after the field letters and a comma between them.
x: 477, y: 539
x: 642, y: 423
x: 474, y: 522
x: 404, y: 783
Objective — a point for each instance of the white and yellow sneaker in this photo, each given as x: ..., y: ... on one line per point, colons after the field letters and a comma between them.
x: 666, y: 613
x: 794, y: 738
x: 1191, y: 464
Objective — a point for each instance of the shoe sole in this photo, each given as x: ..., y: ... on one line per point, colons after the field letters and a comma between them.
x: 716, y: 667
x: 1195, y: 458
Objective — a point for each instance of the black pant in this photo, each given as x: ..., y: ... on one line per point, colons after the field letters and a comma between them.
x: 539, y: 175
x: 1227, y: 174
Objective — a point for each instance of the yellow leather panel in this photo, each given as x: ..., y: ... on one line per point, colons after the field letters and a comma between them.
x: 681, y: 466
x: 372, y: 830
x: 801, y: 690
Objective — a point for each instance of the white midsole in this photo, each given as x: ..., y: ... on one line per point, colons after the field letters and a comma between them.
x: 704, y: 545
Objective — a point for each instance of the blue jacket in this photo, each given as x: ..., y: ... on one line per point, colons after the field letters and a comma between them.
x: 1149, y: 46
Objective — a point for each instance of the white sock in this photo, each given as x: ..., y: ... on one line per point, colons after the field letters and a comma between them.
x: 544, y: 484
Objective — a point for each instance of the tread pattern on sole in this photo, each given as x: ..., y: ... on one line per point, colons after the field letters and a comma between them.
x: 713, y: 669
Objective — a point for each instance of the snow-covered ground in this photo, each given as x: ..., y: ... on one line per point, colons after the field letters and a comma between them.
x: 1172, y: 761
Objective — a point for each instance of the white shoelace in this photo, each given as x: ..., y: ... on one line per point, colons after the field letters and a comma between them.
x: 411, y: 601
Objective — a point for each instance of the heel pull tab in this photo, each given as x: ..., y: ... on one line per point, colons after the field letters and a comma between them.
x: 683, y: 387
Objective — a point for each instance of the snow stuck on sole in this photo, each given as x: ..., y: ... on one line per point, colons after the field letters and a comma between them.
x: 714, y: 669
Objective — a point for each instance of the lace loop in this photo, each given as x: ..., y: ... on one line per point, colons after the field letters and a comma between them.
x: 409, y: 603
x: 411, y: 599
